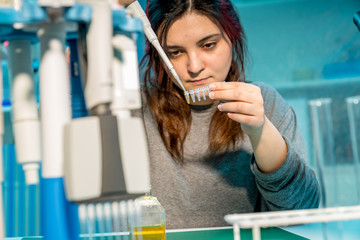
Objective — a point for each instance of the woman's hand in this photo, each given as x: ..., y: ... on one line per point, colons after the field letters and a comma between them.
x: 243, y: 103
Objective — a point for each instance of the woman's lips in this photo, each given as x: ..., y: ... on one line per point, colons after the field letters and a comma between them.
x: 198, y: 82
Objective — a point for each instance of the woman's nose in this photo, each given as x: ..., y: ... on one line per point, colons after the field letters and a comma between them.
x: 195, y: 64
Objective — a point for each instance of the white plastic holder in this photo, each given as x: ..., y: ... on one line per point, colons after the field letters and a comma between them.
x: 131, y: 131
x: 99, y: 86
x: 55, y: 97
x: 256, y: 221
x: 25, y: 117
x: 126, y: 90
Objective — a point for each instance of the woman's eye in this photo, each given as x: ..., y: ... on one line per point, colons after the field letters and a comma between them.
x: 209, y: 45
x: 174, y: 53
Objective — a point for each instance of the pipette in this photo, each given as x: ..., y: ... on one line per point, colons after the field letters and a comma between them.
x: 138, y: 12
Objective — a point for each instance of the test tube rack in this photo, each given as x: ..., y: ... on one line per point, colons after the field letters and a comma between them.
x: 256, y: 221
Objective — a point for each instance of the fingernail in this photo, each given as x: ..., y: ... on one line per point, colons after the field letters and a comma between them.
x: 212, y: 86
x: 211, y: 95
x: 220, y: 106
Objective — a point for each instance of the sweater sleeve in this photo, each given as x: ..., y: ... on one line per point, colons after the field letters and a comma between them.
x: 294, y: 184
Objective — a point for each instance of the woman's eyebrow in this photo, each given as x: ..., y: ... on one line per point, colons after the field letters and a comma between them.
x: 216, y: 35
x: 169, y: 47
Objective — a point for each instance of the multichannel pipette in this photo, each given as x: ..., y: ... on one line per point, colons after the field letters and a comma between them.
x: 138, y: 12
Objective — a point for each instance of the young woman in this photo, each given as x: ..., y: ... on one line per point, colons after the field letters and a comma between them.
x: 238, y: 151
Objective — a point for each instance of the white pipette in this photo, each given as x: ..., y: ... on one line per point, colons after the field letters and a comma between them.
x: 138, y: 12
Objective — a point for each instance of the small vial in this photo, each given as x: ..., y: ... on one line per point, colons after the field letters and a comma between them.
x: 148, y: 222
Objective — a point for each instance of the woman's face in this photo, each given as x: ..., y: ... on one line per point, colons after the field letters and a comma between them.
x: 200, y: 53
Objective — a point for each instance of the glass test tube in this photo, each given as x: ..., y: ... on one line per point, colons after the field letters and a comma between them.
x: 323, y: 135
x: 353, y: 110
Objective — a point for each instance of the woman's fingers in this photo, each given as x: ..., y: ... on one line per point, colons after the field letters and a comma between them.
x: 235, y: 91
x: 246, y: 121
x: 234, y: 85
x: 233, y: 95
x: 238, y: 107
x: 245, y: 113
x: 243, y: 103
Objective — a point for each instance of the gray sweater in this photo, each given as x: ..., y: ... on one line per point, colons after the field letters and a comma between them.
x: 207, y: 187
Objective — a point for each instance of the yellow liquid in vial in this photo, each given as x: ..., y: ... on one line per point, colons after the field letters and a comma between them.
x: 149, y: 233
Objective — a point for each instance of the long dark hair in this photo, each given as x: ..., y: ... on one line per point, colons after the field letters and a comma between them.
x: 166, y: 101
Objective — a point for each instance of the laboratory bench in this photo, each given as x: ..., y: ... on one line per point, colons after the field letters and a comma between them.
x: 225, y: 233
x: 314, y: 231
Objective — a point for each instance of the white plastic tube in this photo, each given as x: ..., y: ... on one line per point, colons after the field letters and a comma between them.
x: 98, y: 88
x: 126, y: 76
x: 25, y: 117
x: 132, y: 138
x: 54, y: 98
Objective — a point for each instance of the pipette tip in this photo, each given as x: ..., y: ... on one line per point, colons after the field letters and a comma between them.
x: 186, y: 93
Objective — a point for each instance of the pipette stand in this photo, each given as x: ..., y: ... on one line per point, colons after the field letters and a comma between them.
x: 51, y: 23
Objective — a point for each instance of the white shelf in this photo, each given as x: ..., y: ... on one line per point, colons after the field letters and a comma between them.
x: 255, y: 221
